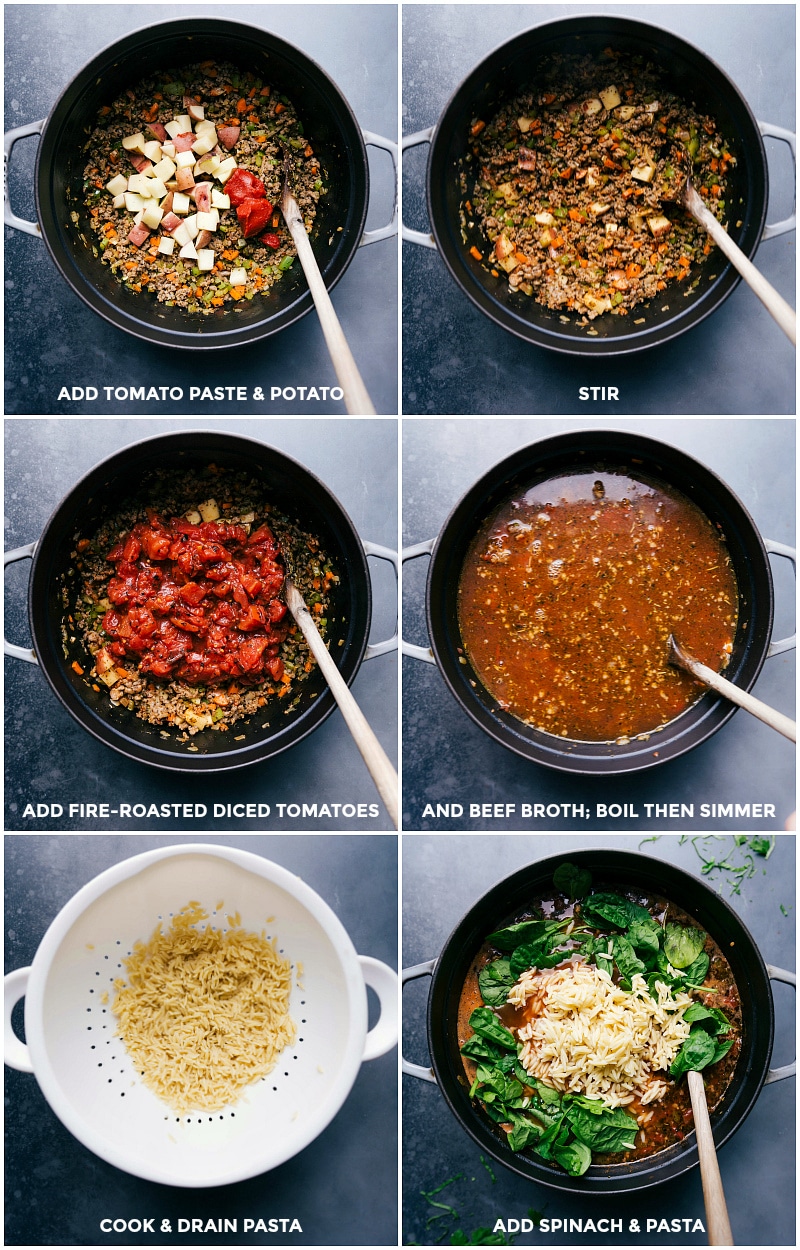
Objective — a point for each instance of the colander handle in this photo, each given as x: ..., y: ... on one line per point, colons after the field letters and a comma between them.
x: 16, y: 1053
x: 789, y: 1069
x: 780, y: 549
x: 10, y: 648
x: 382, y: 553
x: 10, y: 138
x: 411, y: 974
x: 383, y: 980
x: 411, y: 648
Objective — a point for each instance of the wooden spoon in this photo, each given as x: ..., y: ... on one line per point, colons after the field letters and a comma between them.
x: 375, y: 758
x: 776, y: 720
x: 717, y: 1222
x: 356, y: 398
x: 774, y: 303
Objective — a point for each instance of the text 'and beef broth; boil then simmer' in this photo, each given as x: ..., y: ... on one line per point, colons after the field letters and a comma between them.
x: 568, y: 595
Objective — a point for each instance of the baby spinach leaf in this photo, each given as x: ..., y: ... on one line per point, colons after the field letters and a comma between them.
x: 603, y: 957
x: 539, y: 954
x: 721, y: 1049
x: 494, y: 982
x: 547, y: 1093
x: 525, y: 931
x: 572, y: 881
x: 711, y: 1019
x: 611, y: 1131
x: 626, y: 959
x: 697, y: 971
x: 556, y: 1135
x: 682, y: 944
x: 610, y: 908
x: 524, y: 1133
x: 484, y: 1022
x: 479, y: 1048
x: 696, y: 1053
x: 501, y: 1084
x: 644, y: 936
x: 574, y: 1157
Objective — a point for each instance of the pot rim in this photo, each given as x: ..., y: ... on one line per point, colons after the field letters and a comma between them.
x: 635, y: 340
x: 164, y: 336
x: 592, y: 1183
x: 710, y: 706
x: 151, y: 753
x: 257, y: 865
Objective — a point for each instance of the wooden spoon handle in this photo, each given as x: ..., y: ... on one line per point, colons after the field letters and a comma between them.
x: 375, y: 758
x: 719, y: 1228
x: 769, y: 715
x: 356, y: 397
x: 774, y: 303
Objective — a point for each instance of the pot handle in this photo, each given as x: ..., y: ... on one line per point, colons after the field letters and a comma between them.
x: 9, y: 648
x: 411, y: 974
x: 383, y: 980
x: 780, y: 1074
x: 786, y: 136
x: 16, y: 1053
x: 11, y: 137
x: 780, y: 549
x: 418, y: 236
x: 382, y: 553
x: 384, y: 232
x: 411, y: 648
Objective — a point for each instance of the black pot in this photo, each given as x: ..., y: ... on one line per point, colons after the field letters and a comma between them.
x: 621, y: 870
x: 691, y: 74
x: 338, y: 142
x: 657, y: 460
x: 294, y: 490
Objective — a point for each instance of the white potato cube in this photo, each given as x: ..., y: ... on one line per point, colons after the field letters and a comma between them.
x: 164, y: 169
x: 185, y: 123
x: 152, y: 150
x: 152, y: 215
x: 205, y: 127
x: 118, y: 201
x: 610, y: 97
x: 181, y: 235
x: 140, y: 184
x: 204, y: 144
x: 181, y: 204
x: 643, y: 172
x: 545, y: 219
x: 118, y: 185
x: 225, y: 169
x: 134, y: 143
x: 205, y: 260
x: 591, y: 106
x: 166, y: 246
x: 188, y: 251
x: 208, y: 221
x: 191, y: 225
x: 598, y: 209
x: 218, y: 200
x: 205, y: 165
x: 133, y: 202
x: 157, y: 188
x: 185, y: 160
x: 173, y: 128
x: 626, y: 112
x: 238, y: 277
x: 208, y: 508
x: 168, y: 149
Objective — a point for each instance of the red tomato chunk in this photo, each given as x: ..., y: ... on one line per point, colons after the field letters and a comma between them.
x: 198, y: 602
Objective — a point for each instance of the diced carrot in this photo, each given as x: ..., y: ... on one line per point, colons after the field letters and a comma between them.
x: 253, y: 91
x: 574, y: 214
x: 105, y: 110
x: 236, y: 292
x: 254, y: 118
x: 473, y: 251
x: 259, y: 138
x: 230, y: 254
x: 265, y: 91
x: 77, y: 668
x: 218, y: 301
x: 476, y: 128
x: 558, y: 135
x: 716, y: 191
x: 584, y: 263
x: 308, y: 150
x: 241, y: 106
x: 633, y: 270
x: 684, y: 260
x: 549, y: 98
x: 130, y: 264
x: 280, y: 108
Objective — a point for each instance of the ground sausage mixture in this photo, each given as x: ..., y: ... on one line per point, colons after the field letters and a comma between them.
x: 572, y: 186
x: 177, y: 600
x: 253, y: 124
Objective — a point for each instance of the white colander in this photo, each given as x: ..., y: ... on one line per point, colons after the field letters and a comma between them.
x: 84, y: 1070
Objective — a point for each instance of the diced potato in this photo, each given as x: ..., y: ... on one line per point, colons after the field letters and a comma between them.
x: 118, y: 185
x: 524, y: 124
x: 152, y: 150
x: 205, y: 126
x: 191, y: 225
x: 205, y: 260
x: 659, y: 226
x: 180, y: 204
x: 643, y: 172
x: 188, y: 251
x: 597, y: 303
x: 152, y: 215
x: 134, y: 143
x: 593, y: 176
x: 196, y: 112
x: 545, y: 238
x: 218, y: 200
x: 508, y: 193
x: 238, y: 277
x: 544, y: 219
x: 185, y: 160
x: 166, y: 246
x: 205, y: 165
x: 164, y: 169
x: 226, y: 168
x: 181, y: 235
x: 626, y: 112
x: 141, y: 185
x: 591, y: 106
x: 134, y: 202
x: 636, y: 221
x: 158, y: 189
x: 204, y: 144
x: 598, y: 209
x: 208, y: 221
x: 610, y: 97
x: 118, y: 201
x: 192, y: 517
x: 198, y: 720
x: 168, y: 149
x: 503, y: 247
x: 509, y: 264
x: 611, y: 227
x: 185, y: 123
x: 208, y: 509
x: 174, y: 128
